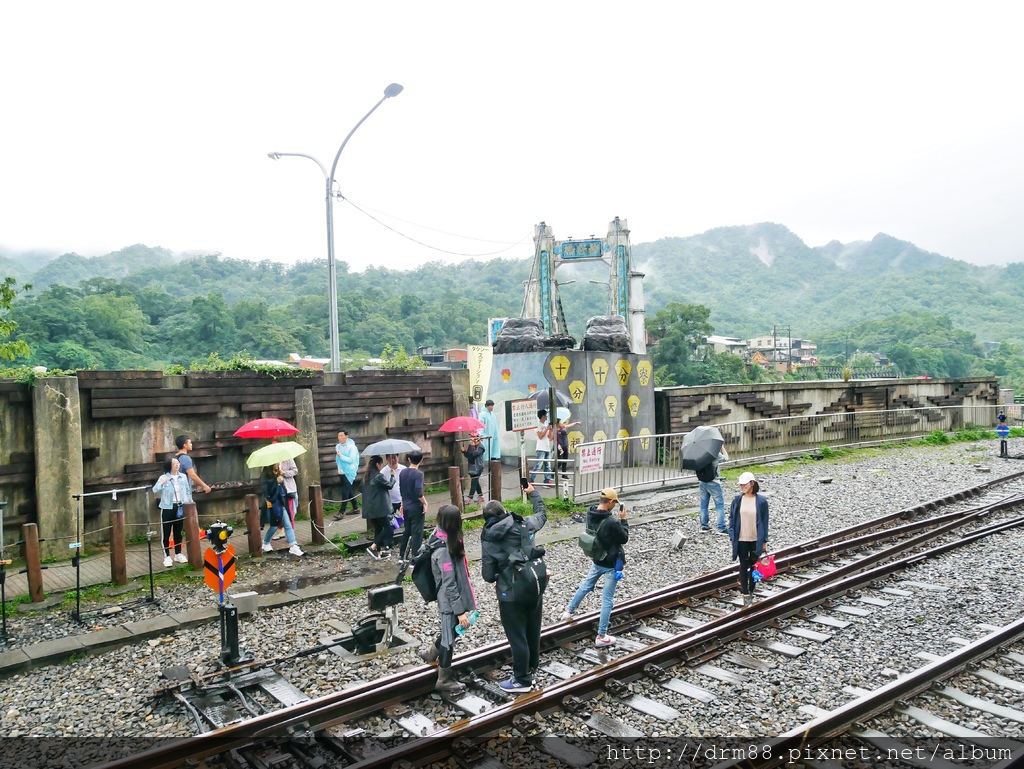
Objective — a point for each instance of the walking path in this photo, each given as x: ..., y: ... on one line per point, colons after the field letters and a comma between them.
x: 53, y: 651
x: 95, y: 570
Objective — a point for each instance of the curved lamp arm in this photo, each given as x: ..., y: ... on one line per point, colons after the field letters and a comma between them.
x: 392, y: 90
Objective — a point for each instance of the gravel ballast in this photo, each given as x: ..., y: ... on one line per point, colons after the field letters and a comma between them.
x: 110, y: 693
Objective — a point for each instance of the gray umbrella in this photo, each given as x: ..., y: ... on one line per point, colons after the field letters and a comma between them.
x: 701, y: 447
x: 543, y: 398
x: 389, y: 446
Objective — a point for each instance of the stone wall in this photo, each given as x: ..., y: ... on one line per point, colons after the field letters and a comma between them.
x: 103, y: 431
x: 680, y: 409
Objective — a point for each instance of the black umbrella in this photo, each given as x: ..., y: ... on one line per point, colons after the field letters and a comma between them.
x: 544, y: 399
x: 701, y: 447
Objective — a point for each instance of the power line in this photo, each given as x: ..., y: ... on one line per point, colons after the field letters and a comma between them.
x: 435, y: 248
x: 432, y: 229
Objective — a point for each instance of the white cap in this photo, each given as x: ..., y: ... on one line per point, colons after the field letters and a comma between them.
x: 746, y: 478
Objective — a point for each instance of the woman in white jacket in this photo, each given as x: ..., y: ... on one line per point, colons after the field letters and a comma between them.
x: 175, y: 491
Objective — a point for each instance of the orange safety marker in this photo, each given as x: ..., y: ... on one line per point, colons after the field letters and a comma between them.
x: 212, y: 573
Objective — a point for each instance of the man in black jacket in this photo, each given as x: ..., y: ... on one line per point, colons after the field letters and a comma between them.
x: 611, y: 533
x: 507, y: 545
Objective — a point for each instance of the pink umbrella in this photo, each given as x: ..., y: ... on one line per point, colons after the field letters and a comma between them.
x: 461, y: 425
x: 265, y: 428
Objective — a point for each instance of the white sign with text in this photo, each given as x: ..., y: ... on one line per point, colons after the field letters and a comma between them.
x: 591, y: 459
x: 521, y: 415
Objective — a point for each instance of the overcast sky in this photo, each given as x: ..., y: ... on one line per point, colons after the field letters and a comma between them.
x: 142, y: 122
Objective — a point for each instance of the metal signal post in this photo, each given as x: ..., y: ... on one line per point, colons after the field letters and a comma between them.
x: 219, y: 573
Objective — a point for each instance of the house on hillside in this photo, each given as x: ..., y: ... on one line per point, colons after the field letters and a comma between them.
x: 730, y: 344
x: 783, y: 351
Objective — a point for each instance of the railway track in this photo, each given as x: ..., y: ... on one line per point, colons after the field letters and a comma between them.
x: 682, y: 627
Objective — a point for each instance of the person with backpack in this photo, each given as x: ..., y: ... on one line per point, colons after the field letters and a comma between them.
x: 712, y: 489
x: 512, y: 561
x: 456, y: 600
x: 606, y: 532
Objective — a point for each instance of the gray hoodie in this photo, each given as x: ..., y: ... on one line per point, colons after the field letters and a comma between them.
x: 503, y: 536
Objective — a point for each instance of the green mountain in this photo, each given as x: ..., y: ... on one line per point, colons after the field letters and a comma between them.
x: 757, y: 276
x: 143, y: 306
x: 70, y: 269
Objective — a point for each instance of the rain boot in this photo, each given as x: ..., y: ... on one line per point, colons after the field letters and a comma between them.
x: 446, y: 683
x: 430, y: 653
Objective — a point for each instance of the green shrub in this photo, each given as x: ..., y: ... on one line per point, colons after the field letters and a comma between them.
x: 938, y: 438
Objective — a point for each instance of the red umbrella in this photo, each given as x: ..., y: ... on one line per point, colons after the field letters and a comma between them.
x: 461, y: 425
x: 265, y: 428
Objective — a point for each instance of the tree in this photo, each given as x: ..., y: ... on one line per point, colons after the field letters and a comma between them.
x: 679, y: 331
x: 12, y: 349
x: 397, y: 360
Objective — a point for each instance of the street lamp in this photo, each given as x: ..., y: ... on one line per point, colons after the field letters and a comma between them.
x: 332, y: 271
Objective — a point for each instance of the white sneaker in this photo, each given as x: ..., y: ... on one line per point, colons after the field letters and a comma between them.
x: 604, y: 640
x: 268, y: 548
x: 294, y: 550
x: 181, y: 558
x: 168, y: 563
x: 566, y: 615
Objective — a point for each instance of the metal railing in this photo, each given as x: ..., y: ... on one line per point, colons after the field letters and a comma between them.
x: 653, y: 460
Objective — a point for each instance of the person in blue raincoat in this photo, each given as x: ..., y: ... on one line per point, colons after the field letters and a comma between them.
x: 491, y: 435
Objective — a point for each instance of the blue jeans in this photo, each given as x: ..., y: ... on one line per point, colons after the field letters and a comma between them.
x: 607, y: 596
x: 708, y: 490
x: 542, y: 466
x: 289, y: 533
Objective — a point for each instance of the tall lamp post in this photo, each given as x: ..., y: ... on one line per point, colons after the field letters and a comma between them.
x: 332, y: 271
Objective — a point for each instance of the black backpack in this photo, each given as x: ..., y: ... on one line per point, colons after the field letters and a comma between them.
x: 707, y: 473
x: 423, y: 573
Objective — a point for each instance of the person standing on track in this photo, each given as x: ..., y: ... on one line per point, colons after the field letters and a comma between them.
x: 507, y: 540
x: 748, y: 530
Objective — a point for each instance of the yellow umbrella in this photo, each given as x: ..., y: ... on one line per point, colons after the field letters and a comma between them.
x: 274, y: 453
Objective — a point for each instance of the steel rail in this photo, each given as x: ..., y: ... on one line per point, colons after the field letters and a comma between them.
x: 367, y: 698
x: 881, y: 700
x: 436, y: 746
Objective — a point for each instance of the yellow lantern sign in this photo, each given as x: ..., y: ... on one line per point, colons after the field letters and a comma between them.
x: 577, y: 390
x: 643, y: 372
x: 645, y: 438
x: 622, y: 371
x: 611, y: 405
x: 633, y: 404
x: 600, y: 435
x: 575, y: 439
x: 623, y: 443
x: 600, y: 369
x: 560, y: 367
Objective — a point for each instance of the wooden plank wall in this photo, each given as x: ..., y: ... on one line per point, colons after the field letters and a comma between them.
x: 374, y: 405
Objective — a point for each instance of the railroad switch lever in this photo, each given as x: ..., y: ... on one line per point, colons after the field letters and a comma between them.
x: 230, y: 656
x: 386, y: 598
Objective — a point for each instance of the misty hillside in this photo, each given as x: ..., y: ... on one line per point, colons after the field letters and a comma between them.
x: 758, y: 275
x: 135, y: 302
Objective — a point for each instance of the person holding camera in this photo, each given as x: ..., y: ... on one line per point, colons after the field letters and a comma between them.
x: 175, y: 491
x: 515, y: 565
x: 611, y: 532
